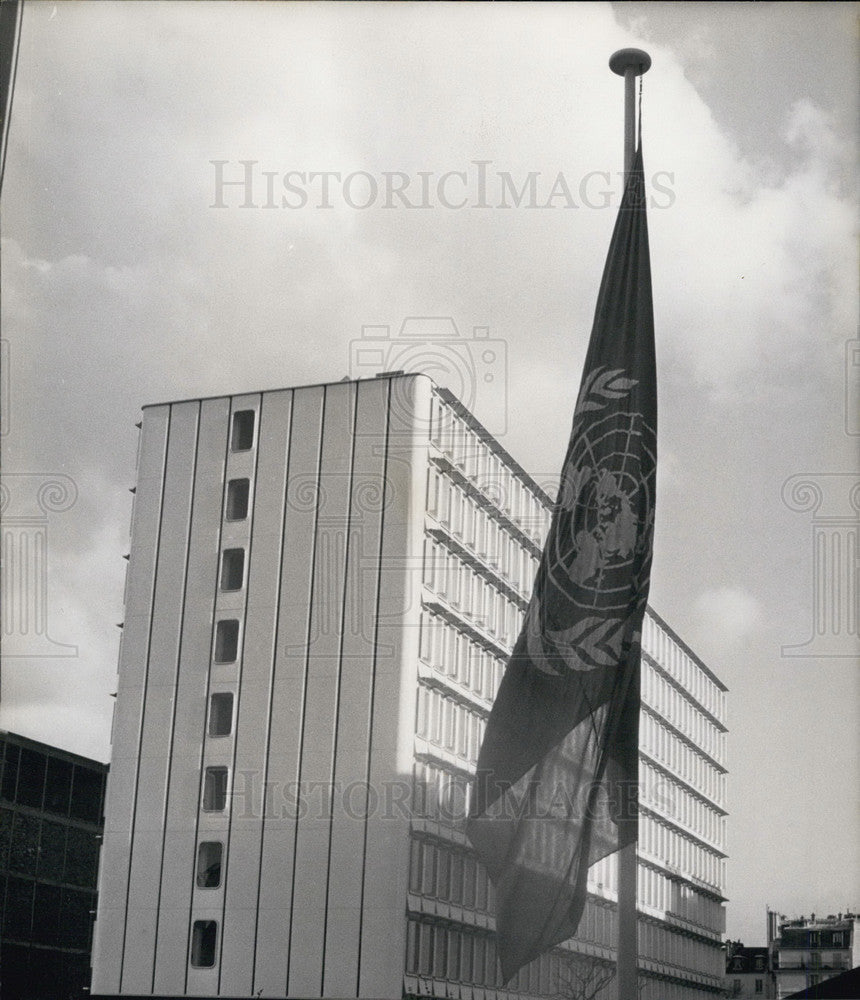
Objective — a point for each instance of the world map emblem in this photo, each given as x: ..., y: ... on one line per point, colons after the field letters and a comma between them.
x: 593, y: 578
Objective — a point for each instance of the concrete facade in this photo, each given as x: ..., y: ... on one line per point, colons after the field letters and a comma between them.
x: 324, y: 585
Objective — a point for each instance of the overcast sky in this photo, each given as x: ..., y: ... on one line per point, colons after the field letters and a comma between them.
x: 122, y: 285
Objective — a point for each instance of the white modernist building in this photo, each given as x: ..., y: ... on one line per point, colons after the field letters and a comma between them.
x: 323, y: 588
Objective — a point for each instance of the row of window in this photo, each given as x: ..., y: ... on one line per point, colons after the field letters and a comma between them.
x: 466, y: 590
x: 461, y: 954
x: 220, y: 716
x: 455, y: 655
x: 659, y: 645
x: 440, y: 795
x: 654, y: 988
x: 484, y: 467
x: 813, y: 960
x: 48, y: 915
x: 668, y: 797
x: 472, y: 524
x: 49, y: 851
x: 802, y: 937
x: 679, y: 710
x: 680, y: 758
x: 449, y: 724
x: 450, y: 875
x: 469, y: 955
x: 668, y: 895
x: 662, y: 944
x: 738, y: 986
x: 679, y: 852
x: 35, y: 779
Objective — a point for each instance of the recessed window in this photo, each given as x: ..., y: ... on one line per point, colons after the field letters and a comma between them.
x: 209, y: 864
x: 242, y: 437
x: 232, y: 569
x: 220, y: 714
x: 203, y: 939
x: 215, y: 789
x: 238, y: 491
x: 227, y: 640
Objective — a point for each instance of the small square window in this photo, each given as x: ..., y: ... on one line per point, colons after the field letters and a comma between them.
x: 221, y: 714
x: 232, y: 569
x: 242, y: 437
x: 209, y: 864
x: 238, y: 492
x: 203, y: 939
x: 215, y: 789
x: 227, y: 640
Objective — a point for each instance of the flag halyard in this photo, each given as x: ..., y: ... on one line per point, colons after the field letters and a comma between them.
x: 558, y: 769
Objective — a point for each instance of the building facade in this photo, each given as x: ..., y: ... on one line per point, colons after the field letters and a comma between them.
x: 324, y: 586
x: 50, y: 833
x: 807, y: 951
x: 748, y: 973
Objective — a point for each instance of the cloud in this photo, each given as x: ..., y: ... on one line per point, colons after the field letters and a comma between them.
x: 731, y: 614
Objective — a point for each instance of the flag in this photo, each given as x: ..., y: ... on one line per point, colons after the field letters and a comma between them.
x: 557, y: 778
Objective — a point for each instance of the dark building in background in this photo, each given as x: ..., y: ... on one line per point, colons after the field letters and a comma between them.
x: 50, y: 832
x: 748, y: 972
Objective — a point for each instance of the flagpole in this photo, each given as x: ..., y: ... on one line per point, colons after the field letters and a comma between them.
x: 628, y: 63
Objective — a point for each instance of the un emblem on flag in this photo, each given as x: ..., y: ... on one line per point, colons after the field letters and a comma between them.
x: 598, y: 554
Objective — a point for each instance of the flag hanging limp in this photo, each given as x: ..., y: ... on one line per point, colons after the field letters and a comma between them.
x: 556, y: 788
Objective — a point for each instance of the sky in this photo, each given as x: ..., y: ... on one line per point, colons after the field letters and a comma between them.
x: 459, y: 162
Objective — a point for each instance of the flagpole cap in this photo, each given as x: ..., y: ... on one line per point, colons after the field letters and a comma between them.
x: 635, y: 59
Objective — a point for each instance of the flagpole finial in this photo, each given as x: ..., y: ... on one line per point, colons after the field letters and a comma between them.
x: 629, y: 63
x: 635, y: 59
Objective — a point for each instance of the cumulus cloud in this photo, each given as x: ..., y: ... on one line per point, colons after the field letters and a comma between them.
x: 730, y: 614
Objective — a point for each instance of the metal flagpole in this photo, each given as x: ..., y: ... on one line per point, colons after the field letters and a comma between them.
x: 628, y: 63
